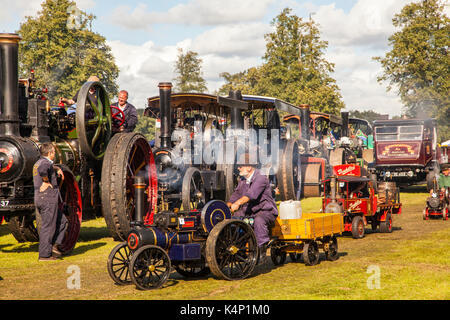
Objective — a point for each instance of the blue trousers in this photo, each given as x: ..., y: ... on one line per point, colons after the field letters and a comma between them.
x: 53, y: 222
x: 261, y: 225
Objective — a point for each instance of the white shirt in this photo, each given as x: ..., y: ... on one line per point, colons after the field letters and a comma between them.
x: 250, y: 178
x: 48, y: 159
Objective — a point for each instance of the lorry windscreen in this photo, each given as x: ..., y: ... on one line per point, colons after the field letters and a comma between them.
x: 400, y: 133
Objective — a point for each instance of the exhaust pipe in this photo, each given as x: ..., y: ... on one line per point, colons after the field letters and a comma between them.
x: 139, y: 198
x: 345, y: 132
x: 237, y: 120
x: 9, y: 84
x: 165, y: 91
x: 304, y: 123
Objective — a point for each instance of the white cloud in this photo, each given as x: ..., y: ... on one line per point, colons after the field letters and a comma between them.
x: 369, y: 23
x: 244, y: 40
x: 194, y: 12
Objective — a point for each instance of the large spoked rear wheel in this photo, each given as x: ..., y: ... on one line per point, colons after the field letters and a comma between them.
x: 118, y: 264
x: 150, y: 267
x: 128, y: 155
x: 231, y: 250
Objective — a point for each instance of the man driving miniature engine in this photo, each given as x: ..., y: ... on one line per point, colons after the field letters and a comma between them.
x: 253, y: 198
x: 443, y: 179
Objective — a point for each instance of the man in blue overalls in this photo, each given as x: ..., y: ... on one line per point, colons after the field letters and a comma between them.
x: 253, y: 198
x: 46, y: 198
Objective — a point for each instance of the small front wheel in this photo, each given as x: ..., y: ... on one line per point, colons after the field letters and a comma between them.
x: 149, y: 267
x: 118, y: 264
x: 358, y: 227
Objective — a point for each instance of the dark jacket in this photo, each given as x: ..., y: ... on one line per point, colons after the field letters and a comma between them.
x: 258, y: 191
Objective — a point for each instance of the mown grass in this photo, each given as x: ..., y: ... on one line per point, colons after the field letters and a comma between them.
x: 414, y: 263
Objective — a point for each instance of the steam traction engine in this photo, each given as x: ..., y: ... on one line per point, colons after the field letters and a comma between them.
x: 80, y: 139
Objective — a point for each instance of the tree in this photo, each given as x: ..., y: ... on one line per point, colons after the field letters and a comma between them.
x: 294, y: 67
x: 368, y: 115
x: 418, y: 65
x: 59, y: 45
x: 145, y: 125
x: 188, y: 68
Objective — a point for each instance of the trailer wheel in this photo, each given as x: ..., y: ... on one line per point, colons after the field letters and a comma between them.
x: 149, y: 267
x: 332, y: 253
x: 119, y: 264
x: 277, y: 256
x: 295, y: 256
x: 311, y: 253
x: 386, y: 226
x: 358, y: 227
x: 231, y: 250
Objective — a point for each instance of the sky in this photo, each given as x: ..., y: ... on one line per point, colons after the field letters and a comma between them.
x: 145, y: 35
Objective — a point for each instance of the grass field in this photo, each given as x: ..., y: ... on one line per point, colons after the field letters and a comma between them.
x: 413, y: 263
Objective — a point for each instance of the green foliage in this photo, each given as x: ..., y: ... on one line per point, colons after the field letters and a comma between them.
x: 145, y: 125
x: 294, y: 68
x: 188, y: 68
x: 418, y: 65
x: 59, y: 45
x: 368, y: 115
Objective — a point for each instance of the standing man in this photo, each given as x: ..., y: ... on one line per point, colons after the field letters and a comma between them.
x: 253, y: 198
x: 46, y: 197
x: 131, y: 117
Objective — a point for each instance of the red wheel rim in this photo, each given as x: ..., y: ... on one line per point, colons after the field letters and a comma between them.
x: 71, y: 196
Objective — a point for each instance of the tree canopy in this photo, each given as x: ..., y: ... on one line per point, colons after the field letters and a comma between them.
x: 418, y: 65
x: 60, y: 46
x: 188, y: 69
x: 294, y: 67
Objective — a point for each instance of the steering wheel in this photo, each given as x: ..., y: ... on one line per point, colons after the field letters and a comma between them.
x: 118, y: 115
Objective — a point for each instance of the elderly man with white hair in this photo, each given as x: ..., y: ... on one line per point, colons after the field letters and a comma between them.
x: 130, y: 112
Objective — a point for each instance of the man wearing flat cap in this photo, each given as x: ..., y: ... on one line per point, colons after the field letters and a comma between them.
x: 253, y: 198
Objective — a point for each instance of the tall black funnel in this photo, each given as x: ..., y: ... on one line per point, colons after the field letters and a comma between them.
x: 9, y: 84
x: 165, y: 91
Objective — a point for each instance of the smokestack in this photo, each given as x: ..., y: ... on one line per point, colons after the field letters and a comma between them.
x: 165, y: 91
x: 344, y: 116
x: 139, y: 192
x: 304, y: 123
x: 9, y: 84
x: 237, y: 120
